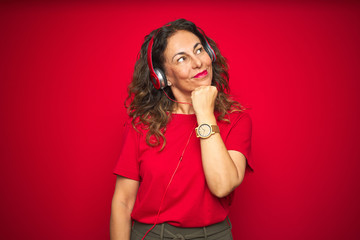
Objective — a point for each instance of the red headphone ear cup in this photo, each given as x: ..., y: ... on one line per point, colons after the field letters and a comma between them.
x: 158, y: 77
x: 161, y: 77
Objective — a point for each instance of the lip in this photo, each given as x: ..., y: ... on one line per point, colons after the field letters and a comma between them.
x: 201, y: 74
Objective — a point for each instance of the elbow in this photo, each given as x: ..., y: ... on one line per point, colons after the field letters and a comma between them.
x: 224, y: 190
x: 221, y: 194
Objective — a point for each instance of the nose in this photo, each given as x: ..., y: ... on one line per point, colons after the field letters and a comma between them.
x: 196, y: 62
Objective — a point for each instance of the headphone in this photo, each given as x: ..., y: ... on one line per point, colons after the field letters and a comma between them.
x: 157, y: 76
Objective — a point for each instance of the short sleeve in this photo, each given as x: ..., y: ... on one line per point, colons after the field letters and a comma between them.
x: 239, y: 136
x: 127, y: 164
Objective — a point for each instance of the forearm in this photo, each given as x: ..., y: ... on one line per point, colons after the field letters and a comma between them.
x: 221, y: 173
x: 120, y: 221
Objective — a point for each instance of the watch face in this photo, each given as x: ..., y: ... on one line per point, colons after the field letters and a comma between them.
x: 204, y: 130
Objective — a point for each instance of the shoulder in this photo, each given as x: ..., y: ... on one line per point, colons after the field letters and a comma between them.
x: 134, y: 122
x: 133, y: 125
x: 238, y: 122
x: 235, y: 116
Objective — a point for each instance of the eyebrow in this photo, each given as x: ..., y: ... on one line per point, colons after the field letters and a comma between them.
x: 179, y: 53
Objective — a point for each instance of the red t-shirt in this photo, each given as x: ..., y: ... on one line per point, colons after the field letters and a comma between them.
x: 188, y: 201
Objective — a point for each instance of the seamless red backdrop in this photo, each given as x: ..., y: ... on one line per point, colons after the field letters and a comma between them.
x: 64, y: 69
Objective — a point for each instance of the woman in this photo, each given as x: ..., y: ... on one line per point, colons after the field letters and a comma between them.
x: 186, y: 143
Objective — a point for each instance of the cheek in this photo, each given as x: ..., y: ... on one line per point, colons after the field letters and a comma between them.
x: 181, y: 72
x: 209, y: 62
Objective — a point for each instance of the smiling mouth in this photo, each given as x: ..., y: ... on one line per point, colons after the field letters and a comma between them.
x: 202, y: 74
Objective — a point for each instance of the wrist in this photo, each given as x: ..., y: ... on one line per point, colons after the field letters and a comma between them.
x: 206, y: 118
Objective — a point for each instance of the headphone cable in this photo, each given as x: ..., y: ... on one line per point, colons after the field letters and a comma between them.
x: 167, y: 187
x: 175, y: 100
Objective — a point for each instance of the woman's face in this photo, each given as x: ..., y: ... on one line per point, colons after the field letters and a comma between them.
x: 187, y: 64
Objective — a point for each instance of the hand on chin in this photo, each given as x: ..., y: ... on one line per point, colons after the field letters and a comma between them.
x: 203, y: 99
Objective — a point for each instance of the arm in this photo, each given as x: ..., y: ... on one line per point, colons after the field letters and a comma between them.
x: 121, y: 208
x: 224, y: 170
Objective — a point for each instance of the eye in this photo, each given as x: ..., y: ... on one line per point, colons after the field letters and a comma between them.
x: 199, y: 50
x: 181, y: 59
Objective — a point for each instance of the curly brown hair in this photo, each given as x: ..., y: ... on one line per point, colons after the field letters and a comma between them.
x: 151, y: 107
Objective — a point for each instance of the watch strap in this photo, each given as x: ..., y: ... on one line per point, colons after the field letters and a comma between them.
x: 215, y: 129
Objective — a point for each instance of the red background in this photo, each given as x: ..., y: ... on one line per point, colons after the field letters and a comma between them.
x: 64, y: 71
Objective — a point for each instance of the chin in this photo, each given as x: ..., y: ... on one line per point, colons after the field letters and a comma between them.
x: 207, y: 82
x: 204, y: 83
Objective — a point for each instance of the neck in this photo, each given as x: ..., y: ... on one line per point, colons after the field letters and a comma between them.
x: 183, y: 109
x: 183, y: 103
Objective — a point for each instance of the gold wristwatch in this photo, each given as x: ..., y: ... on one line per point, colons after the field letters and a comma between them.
x: 206, y: 130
